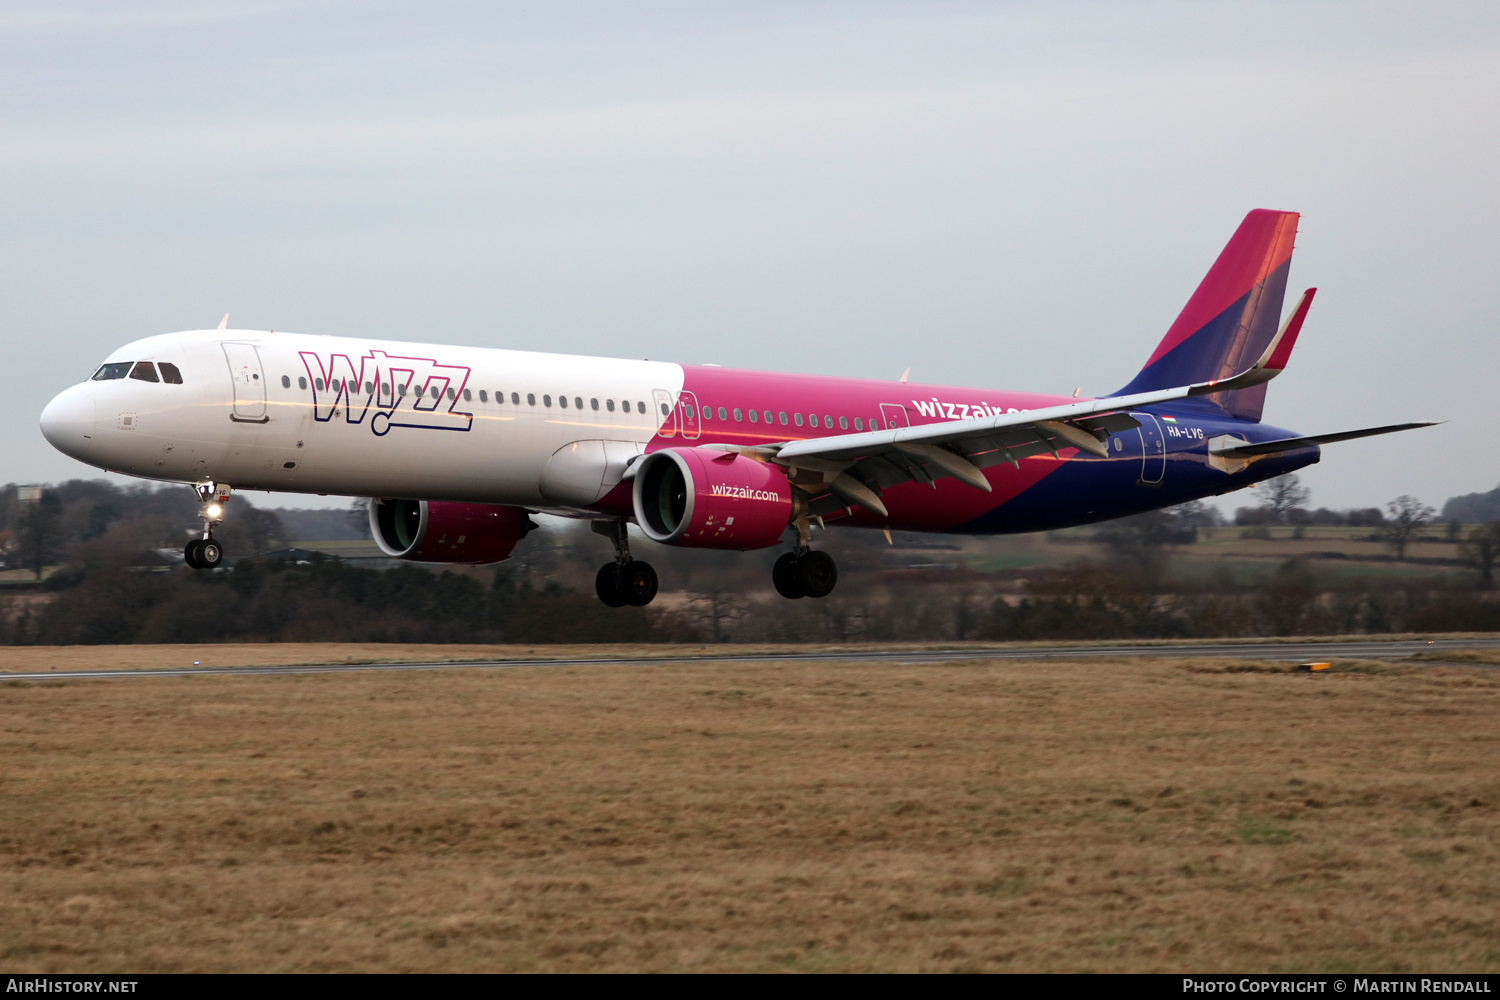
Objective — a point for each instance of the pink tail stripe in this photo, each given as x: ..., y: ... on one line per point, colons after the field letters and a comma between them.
x: 1263, y: 242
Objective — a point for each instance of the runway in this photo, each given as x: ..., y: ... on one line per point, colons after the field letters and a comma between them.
x: 1290, y: 652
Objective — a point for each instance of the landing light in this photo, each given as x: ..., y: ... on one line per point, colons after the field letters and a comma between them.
x: 215, y: 510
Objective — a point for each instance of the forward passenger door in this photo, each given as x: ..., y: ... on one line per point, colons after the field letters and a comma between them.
x: 249, y: 383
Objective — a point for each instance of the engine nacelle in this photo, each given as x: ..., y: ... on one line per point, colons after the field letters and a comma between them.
x: 711, y: 499
x: 441, y: 532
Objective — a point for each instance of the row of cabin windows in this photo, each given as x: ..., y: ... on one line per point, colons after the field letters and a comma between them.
x: 754, y: 416
x: 143, y: 371
x: 338, y: 385
x: 781, y: 417
x: 146, y: 371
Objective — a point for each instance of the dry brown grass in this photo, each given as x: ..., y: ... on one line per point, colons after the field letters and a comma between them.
x: 995, y: 815
x: 1486, y: 656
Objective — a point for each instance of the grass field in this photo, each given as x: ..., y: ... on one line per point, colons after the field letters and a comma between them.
x: 988, y: 815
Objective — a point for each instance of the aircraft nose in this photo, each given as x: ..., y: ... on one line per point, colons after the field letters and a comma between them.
x: 69, y: 420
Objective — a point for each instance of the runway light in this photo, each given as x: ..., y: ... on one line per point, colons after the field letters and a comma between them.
x: 1309, y: 667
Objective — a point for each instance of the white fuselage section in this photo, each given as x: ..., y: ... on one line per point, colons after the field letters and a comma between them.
x: 334, y: 415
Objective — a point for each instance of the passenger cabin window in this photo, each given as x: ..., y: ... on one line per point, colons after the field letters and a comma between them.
x: 484, y: 397
x: 286, y: 380
x: 577, y: 402
x: 169, y: 373
x: 318, y: 384
x: 594, y: 404
x: 144, y: 371
x: 723, y: 413
x: 642, y: 408
x: 812, y: 419
x: 797, y: 421
x: 738, y: 415
x: 301, y: 382
x: 469, y: 396
x: 546, y: 400
x: 843, y: 423
x: 609, y: 404
x: 112, y: 371
x: 754, y: 417
x: 859, y: 424
x: 562, y: 401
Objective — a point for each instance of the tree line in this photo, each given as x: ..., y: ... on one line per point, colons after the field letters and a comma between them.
x: 109, y: 589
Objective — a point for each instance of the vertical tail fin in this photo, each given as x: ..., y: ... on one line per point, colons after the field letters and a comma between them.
x: 1231, y: 318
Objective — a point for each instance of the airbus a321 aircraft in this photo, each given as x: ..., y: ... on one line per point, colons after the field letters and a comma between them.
x: 456, y: 445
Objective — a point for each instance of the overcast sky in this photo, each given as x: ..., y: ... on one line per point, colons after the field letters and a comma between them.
x: 1009, y: 195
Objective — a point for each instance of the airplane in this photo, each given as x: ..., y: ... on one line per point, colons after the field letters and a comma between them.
x: 456, y: 446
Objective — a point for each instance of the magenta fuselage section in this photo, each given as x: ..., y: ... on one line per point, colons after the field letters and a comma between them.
x: 1162, y: 463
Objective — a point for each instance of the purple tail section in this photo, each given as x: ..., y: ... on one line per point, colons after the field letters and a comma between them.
x: 1231, y: 318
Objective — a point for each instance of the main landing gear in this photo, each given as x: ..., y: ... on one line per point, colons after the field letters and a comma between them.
x: 805, y: 573
x: 626, y: 580
x: 205, y: 552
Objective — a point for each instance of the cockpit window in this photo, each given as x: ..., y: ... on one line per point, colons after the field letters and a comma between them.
x: 118, y: 369
x: 145, y: 371
x: 169, y: 373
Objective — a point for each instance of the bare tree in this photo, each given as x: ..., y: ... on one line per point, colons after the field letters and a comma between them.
x: 718, y: 608
x: 359, y: 516
x: 1285, y: 494
x: 1480, y: 550
x: 1405, y: 518
x: 41, y: 531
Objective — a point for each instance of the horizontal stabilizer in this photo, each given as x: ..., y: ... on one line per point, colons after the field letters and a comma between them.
x: 1241, y: 450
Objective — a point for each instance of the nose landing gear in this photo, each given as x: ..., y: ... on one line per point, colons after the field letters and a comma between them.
x: 205, y: 552
x: 805, y: 574
x: 626, y: 580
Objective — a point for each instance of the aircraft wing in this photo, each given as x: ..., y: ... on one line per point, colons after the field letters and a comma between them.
x: 855, y: 467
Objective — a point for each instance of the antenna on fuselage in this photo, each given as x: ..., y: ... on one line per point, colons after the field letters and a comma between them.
x: 224, y: 323
x: 906, y: 375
